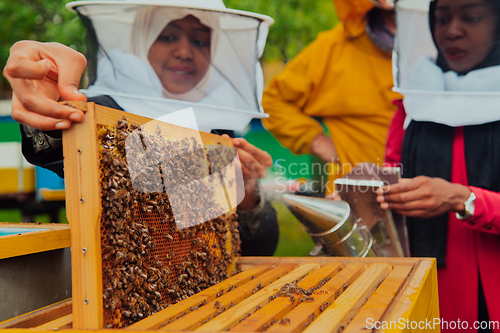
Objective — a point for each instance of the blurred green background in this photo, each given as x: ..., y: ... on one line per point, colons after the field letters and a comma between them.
x: 297, y: 23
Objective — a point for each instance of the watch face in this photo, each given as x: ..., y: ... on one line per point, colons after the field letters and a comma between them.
x: 384, y: 4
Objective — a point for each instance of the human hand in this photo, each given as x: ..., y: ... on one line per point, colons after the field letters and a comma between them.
x: 254, y: 165
x: 40, y: 74
x: 423, y: 197
x: 323, y: 147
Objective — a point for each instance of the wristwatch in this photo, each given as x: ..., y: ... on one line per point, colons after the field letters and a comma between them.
x: 469, y: 204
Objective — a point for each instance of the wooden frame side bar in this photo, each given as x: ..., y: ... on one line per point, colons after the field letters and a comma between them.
x: 81, y: 168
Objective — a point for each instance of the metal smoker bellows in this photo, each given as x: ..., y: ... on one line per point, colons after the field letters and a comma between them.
x: 332, y: 226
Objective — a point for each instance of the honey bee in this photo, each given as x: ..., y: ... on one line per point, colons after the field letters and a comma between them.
x: 284, y: 321
x: 134, y: 282
x: 181, y: 278
x: 153, y: 278
x: 307, y: 299
x: 324, y: 306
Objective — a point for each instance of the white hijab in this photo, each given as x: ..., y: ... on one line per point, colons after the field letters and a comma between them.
x: 150, y: 22
x: 132, y: 82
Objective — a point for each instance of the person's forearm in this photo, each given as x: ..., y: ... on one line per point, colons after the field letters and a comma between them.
x: 324, y: 148
x: 252, y: 197
x: 259, y: 230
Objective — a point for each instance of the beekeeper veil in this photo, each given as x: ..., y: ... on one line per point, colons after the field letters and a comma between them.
x: 447, y: 60
x: 122, y: 34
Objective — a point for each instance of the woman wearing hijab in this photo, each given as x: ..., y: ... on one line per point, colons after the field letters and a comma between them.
x: 451, y: 161
x: 170, y: 60
x: 171, y: 51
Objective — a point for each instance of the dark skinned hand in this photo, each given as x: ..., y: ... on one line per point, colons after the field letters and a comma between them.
x: 423, y: 197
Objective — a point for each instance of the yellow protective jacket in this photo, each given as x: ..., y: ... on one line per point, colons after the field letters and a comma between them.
x: 343, y: 78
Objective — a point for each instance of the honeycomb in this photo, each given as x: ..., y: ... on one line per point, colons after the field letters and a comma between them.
x: 150, y: 260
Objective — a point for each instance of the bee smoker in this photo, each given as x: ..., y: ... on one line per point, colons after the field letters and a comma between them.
x: 332, y: 226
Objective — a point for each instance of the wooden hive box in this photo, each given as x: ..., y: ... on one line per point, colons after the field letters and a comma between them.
x: 348, y: 295
x: 35, y: 266
x: 274, y: 294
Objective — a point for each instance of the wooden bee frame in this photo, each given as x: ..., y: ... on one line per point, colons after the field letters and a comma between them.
x: 81, y: 164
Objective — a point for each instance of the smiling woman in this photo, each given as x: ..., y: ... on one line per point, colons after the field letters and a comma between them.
x: 164, y: 55
x: 181, y: 54
x: 178, y: 44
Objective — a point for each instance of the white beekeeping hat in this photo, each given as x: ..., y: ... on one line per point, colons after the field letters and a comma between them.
x: 447, y: 60
x: 229, y: 95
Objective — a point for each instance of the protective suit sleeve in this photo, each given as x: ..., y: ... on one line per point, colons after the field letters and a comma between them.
x: 284, y: 100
